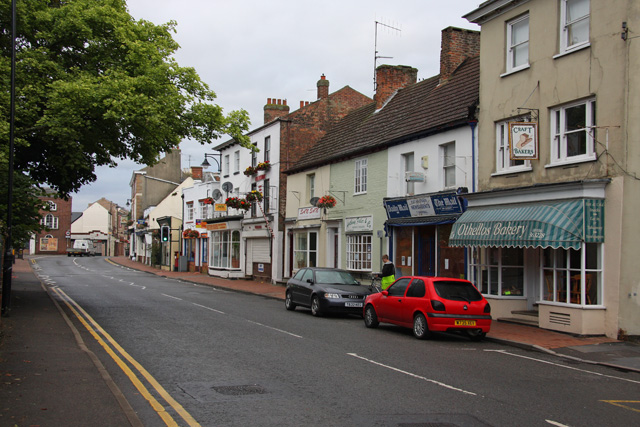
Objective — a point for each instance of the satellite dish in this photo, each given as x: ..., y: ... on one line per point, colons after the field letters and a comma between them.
x: 216, y: 194
x: 227, y: 187
x: 314, y: 201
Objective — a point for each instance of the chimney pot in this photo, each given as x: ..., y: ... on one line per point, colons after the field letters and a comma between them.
x: 268, y: 101
x: 323, y: 87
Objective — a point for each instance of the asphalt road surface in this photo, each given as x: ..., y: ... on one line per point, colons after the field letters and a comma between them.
x: 186, y: 354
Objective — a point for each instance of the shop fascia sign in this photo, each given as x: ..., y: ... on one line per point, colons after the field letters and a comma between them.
x: 523, y: 140
x: 310, y: 212
x: 358, y: 223
x: 425, y: 205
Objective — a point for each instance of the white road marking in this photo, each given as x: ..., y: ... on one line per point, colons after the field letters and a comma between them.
x: 208, y: 308
x: 441, y: 384
x: 555, y: 423
x: 275, y: 329
x: 563, y: 366
x: 169, y: 296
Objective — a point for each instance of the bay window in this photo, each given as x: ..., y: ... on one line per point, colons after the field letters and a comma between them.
x: 359, y: 252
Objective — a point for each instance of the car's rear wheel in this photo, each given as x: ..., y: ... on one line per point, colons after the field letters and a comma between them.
x: 370, y: 317
x: 420, y: 327
x: 288, y: 302
x: 476, y: 334
x: 315, y: 306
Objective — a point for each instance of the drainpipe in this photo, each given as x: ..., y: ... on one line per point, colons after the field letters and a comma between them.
x: 473, y: 124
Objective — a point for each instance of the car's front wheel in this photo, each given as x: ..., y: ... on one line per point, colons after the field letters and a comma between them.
x: 315, y: 306
x: 370, y: 317
x: 288, y: 302
x: 420, y: 327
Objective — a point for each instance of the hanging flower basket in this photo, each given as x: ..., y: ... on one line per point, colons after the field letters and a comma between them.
x: 254, y: 196
x: 326, y: 202
x: 250, y: 171
x: 208, y: 201
x: 190, y: 234
x: 264, y: 166
x: 237, y: 203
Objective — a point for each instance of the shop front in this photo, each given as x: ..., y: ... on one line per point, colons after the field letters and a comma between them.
x: 419, y: 228
x: 541, y: 250
x: 225, y: 247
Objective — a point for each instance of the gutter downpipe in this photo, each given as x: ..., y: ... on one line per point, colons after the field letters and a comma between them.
x: 473, y: 124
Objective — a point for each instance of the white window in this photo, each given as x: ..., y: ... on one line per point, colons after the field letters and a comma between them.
x: 227, y: 168
x: 236, y: 162
x: 360, y: 177
x: 190, y: 211
x: 574, y: 26
x: 50, y: 221
x: 449, y: 164
x: 204, y: 210
x: 573, y: 132
x: 407, y: 160
x: 572, y: 276
x: 52, y: 206
x: 518, y: 44
x: 311, y: 185
x: 305, y: 249
x: 254, y: 155
x: 359, y: 252
x: 503, y: 155
x: 267, y: 148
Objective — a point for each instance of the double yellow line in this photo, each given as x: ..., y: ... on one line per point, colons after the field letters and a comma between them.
x: 95, y: 329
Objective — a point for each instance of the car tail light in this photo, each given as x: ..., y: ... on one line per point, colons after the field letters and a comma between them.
x: 437, y: 305
x: 487, y: 308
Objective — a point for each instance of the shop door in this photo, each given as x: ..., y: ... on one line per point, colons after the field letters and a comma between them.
x: 426, y: 251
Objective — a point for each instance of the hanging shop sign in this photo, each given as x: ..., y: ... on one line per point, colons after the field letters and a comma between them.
x: 424, y: 205
x: 523, y: 141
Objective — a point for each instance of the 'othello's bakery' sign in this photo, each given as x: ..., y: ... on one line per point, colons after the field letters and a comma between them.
x: 523, y: 141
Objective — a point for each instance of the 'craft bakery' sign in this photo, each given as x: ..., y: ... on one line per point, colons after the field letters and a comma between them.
x: 523, y: 141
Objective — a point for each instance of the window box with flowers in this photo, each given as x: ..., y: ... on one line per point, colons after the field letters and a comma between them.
x: 190, y: 234
x: 237, y: 203
x: 250, y: 171
x: 263, y: 166
x: 254, y: 196
x: 208, y: 201
x: 326, y: 202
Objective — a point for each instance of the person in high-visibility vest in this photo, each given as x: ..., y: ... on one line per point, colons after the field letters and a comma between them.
x: 388, y: 273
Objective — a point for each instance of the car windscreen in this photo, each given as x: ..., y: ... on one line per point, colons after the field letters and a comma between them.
x: 456, y: 291
x: 335, y: 277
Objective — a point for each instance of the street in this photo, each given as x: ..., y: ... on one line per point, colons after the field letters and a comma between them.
x: 197, y: 355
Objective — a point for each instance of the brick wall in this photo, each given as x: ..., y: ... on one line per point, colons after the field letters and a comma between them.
x: 274, y: 109
x: 63, y: 213
x: 390, y: 78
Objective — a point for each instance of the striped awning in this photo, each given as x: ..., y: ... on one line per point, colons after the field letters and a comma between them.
x: 564, y: 224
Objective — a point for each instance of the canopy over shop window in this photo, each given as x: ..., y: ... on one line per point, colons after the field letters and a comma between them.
x: 564, y: 224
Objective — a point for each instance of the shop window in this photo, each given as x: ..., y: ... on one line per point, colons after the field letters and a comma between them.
x: 359, y: 252
x: 305, y: 249
x: 225, y: 249
x: 450, y: 259
x: 572, y: 276
x: 499, y: 271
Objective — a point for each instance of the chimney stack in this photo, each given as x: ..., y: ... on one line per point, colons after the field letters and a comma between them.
x: 275, y: 108
x: 323, y: 87
x: 196, y: 173
x: 390, y: 78
x: 457, y: 45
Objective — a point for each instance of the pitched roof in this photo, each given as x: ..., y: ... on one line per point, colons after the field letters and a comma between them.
x: 416, y: 111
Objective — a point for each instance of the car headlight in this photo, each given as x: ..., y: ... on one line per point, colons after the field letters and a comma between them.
x: 331, y: 296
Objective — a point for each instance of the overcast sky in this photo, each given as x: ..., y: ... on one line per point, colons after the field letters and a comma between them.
x: 251, y: 50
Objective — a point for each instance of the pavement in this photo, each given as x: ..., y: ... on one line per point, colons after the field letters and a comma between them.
x: 46, y: 370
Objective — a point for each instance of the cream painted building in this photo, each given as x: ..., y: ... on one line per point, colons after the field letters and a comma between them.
x: 553, y: 227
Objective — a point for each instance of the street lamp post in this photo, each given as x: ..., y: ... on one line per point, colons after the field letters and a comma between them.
x: 215, y: 156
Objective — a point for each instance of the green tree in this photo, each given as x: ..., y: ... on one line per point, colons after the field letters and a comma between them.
x: 94, y: 86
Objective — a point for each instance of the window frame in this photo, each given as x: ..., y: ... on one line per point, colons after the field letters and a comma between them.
x: 408, y: 161
x: 224, y: 242
x: 492, y: 261
x: 503, y: 155
x: 446, y: 166
x: 511, y: 47
x: 190, y: 211
x: 565, y: 47
x: 359, y: 249
x: 360, y: 176
x: 558, y: 137
x: 267, y: 148
x: 308, y: 252
x: 227, y: 167
x: 311, y: 185
x: 236, y: 162
x: 254, y: 156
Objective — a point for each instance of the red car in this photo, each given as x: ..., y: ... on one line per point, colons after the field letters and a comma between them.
x: 430, y: 304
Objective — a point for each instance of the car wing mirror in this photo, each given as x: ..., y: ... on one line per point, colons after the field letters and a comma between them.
x: 385, y: 293
x: 310, y: 281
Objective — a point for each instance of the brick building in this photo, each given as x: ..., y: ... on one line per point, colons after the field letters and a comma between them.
x: 53, y: 240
